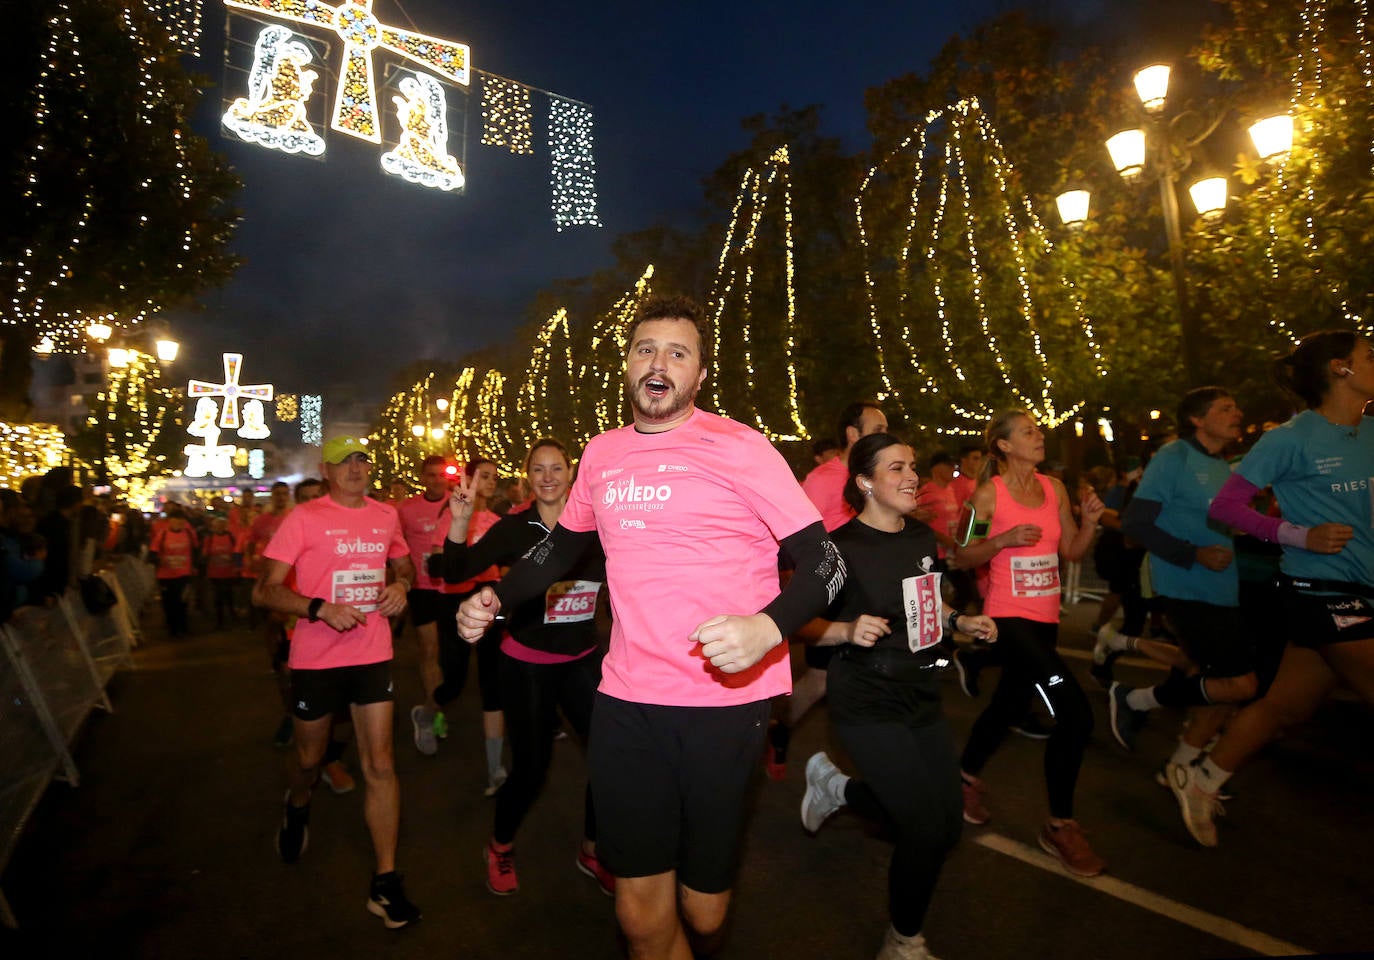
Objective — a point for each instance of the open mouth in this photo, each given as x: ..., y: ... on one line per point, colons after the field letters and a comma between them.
x: 656, y: 387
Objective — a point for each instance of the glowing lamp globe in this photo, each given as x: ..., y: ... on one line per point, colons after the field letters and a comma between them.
x: 437, y: 433
x: 1272, y: 136
x: 1152, y: 85
x: 120, y: 357
x: 1073, y: 207
x: 167, y: 350
x: 442, y: 404
x: 417, y: 431
x: 1209, y: 196
x: 100, y: 331
x: 1128, y: 153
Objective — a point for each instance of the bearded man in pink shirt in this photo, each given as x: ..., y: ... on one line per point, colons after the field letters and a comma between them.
x: 690, y: 509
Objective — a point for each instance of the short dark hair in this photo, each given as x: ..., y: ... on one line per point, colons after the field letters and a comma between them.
x: 1196, y: 403
x: 304, y: 485
x: 433, y: 460
x: 672, y: 308
x: 852, y: 416
x: 823, y: 446
x: 281, y: 483
x: 940, y: 458
x: 476, y: 462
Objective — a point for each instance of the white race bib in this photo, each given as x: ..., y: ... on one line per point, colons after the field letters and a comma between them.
x: 1035, y: 576
x: 921, y: 602
x: 359, y: 588
x: 571, y: 601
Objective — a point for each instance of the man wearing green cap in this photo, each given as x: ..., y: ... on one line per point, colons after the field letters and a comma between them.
x: 340, y: 546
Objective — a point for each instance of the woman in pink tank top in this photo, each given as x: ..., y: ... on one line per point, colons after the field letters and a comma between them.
x: 1030, y: 531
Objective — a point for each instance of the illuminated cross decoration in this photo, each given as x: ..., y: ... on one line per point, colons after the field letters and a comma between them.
x: 355, y: 103
x: 229, y: 390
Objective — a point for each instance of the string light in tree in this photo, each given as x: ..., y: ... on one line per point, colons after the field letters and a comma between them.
x: 922, y: 260
x: 182, y: 18
x: 506, y: 115
x: 28, y: 449
x: 532, y: 401
x: 600, y: 374
x: 572, y: 164
x: 311, y: 419
x: 132, y: 412
x: 741, y: 247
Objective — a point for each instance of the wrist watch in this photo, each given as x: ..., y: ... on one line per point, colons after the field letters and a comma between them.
x: 312, y: 612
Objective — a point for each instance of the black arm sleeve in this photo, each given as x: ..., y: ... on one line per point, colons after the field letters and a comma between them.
x: 1138, y: 523
x: 502, y: 545
x: 543, y: 565
x: 815, y: 583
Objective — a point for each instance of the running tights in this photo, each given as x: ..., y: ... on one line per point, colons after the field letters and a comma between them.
x: 454, y: 655
x: 910, y: 782
x: 1032, y: 668
x: 532, y: 694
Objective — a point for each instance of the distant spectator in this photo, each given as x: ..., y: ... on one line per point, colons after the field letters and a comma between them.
x: 59, y: 531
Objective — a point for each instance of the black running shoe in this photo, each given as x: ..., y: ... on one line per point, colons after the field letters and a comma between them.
x: 294, y: 834
x: 967, y: 667
x: 387, y: 899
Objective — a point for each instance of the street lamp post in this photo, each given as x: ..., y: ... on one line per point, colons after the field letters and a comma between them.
x: 1163, y: 149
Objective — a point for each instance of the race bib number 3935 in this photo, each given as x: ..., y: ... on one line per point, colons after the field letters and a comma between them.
x: 1035, y: 576
x: 571, y: 601
x: 359, y: 588
x: 921, y: 601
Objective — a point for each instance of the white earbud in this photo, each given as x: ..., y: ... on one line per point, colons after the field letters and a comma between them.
x: 1345, y: 371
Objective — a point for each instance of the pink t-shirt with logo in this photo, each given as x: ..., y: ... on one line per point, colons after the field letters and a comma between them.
x: 340, y: 554
x: 689, y: 519
x: 420, y: 519
x: 825, y: 486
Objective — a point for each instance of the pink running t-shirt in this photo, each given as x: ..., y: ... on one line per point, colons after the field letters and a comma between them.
x: 825, y: 487
x: 1024, y: 581
x: 689, y: 519
x: 478, y: 525
x: 420, y: 519
x: 340, y: 554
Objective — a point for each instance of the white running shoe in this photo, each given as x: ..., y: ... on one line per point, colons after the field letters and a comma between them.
x: 1197, y: 805
x: 1103, y: 646
x: 823, y: 792
x: 494, y: 781
x: 897, y: 947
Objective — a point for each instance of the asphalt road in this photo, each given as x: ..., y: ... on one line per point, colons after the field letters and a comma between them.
x: 166, y: 848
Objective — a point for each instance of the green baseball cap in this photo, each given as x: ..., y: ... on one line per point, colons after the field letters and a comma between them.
x: 338, y: 449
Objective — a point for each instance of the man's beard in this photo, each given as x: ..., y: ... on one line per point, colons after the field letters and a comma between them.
x: 675, y: 401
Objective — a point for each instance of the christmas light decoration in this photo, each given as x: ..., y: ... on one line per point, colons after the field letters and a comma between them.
x: 230, y: 390
x: 254, y: 421
x: 274, y: 114
x: 532, y: 401
x: 182, y: 18
x: 257, y: 464
x: 572, y: 164
x: 287, y: 407
x: 311, y: 419
x: 600, y: 376
x: 131, y: 412
x: 506, y: 113
x: 210, y: 458
x: 741, y: 247
x: 422, y: 155
x: 29, y: 449
x: 921, y: 264
x: 355, y: 103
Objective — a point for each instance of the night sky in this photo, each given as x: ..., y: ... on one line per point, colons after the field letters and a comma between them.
x: 351, y: 274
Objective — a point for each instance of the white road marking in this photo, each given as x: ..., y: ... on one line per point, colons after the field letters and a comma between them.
x: 1208, y: 923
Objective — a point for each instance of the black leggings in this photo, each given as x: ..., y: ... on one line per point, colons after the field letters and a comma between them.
x: 1031, y: 667
x: 532, y: 694
x: 911, y: 783
x: 174, y: 604
x: 454, y: 655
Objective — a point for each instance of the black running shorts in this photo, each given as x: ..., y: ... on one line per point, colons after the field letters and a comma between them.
x: 671, y: 787
x: 1213, y: 637
x: 1315, y: 620
x: 319, y: 693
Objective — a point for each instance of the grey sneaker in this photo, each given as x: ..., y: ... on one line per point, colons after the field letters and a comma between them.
x: 1197, y: 805
x: 423, y: 722
x: 1126, y: 723
x: 824, y: 786
x: 494, y: 782
x: 897, y: 947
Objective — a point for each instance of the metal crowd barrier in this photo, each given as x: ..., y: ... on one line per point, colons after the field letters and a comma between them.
x: 60, y: 660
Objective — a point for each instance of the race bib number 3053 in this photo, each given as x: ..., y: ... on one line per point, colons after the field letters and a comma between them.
x: 1035, y: 576
x: 921, y: 601
x: 359, y: 588
x: 571, y: 601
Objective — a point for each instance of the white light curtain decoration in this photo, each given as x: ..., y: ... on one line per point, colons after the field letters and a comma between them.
x: 311, y: 418
x: 572, y: 165
x: 182, y: 18
x: 506, y: 115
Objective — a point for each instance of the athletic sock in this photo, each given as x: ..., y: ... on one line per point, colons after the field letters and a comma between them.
x: 1142, y: 698
x: 1122, y: 642
x: 1211, y: 777
x: 494, y: 745
x: 1179, y: 690
x: 1185, y: 753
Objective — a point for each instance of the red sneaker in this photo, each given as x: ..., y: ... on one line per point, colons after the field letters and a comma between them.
x: 1069, y: 844
x: 501, y: 879
x: 975, y: 811
x: 594, y: 868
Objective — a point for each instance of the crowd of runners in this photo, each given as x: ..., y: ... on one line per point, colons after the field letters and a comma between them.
x: 647, y: 591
